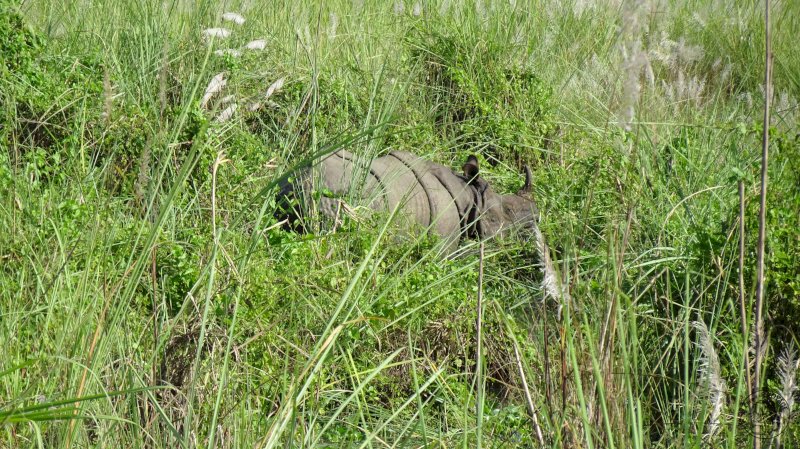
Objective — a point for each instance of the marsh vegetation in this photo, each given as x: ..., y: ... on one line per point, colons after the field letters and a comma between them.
x: 150, y: 299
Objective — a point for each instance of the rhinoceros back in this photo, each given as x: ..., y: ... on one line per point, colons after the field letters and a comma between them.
x: 429, y: 194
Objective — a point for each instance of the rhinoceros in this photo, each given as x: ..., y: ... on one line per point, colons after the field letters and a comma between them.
x: 450, y: 204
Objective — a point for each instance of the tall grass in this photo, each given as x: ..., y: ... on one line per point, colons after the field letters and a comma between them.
x: 149, y: 297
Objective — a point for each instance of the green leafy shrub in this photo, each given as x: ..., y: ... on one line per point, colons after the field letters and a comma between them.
x: 303, y: 111
x: 19, y: 44
x: 480, y: 98
x: 46, y: 98
x: 783, y: 236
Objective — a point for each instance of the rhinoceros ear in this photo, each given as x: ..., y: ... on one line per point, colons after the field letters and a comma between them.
x: 527, y: 187
x: 471, y: 168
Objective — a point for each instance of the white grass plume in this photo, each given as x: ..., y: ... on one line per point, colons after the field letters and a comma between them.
x: 233, y: 17
x: 143, y: 178
x: 480, y: 10
x: 444, y: 8
x: 227, y: 113
x: 271, y: 90
x: 219, y: 33
x: 787, y: 371
x: 228, y: 51
x: 274, y: 87
x: 258, y: 44
x: 753, y: 350
x: 711, y: 376
x: 216, y: 84
x: 108, y: 95
x: 634, y: 61
x: 551, y: 283
x: 334, y: 25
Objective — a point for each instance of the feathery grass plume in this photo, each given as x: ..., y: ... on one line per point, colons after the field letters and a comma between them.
x: 678, y: 57
x: 271, y: 90
x: 59, y: 30
x: 694, y: 89
x: 701, y: 22
x: 675, y: 54
x: 143, y: 177
x: 216, y: 84
x: 162, y: 78
x: 725, y: 75
x: 233, y: 17
x: 783, y: 102
x: 747, y: 99
x: 333, y: 25
x: 444, y: 8
x: 519, y: 37
x: 685, y: 54
x: 551, y: 283
x: 399, y: 8
x: 219, y: 33
x: 258, y: 44
x: 711, y: 376
x: 108, y: 95
x: 480, y: 10
x: 634, y: 60
x: 787, y: 106
x: 228, y: 51
x: 753, y: 350
x: 579, y: 6
x: 787, y: 371
x: 684, y: 90
x: 305, y: 34
x: 274, y: 87
x: 417, y: 10
x: 227, y: 113
x: 632, y: 13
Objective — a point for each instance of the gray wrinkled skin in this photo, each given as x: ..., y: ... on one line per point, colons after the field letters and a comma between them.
x: 450, y: 204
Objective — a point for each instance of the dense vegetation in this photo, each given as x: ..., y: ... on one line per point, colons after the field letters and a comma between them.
x: 142, y: 270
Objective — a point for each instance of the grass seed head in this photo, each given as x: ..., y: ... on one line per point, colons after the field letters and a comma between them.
x: 218, y: 33
x: 233, y: 17
x: 444, y: 8
x: 258, y: 44
x: 634, y: 61
x: 787, y: 372
x: 216, y: 84
x: 274, y: 87
x: 333, y: 26
x: 711, y: 375
x: 228, y: 52
x: 227, y: 113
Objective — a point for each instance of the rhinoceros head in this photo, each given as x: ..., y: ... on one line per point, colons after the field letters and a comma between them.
x: 502, y: 215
